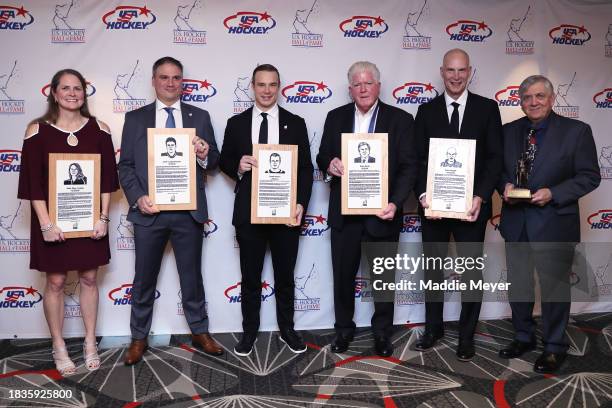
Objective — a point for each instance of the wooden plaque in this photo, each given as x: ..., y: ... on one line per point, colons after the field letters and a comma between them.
x: 172, y: 168
x: 74, y: 192
x: 450, y: 177
x: 274, y: 184
x: 365, y: 186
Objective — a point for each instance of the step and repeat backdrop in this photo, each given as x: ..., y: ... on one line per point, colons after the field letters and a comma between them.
x: 114, y: 44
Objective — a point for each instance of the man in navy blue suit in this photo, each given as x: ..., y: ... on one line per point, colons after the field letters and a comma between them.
x: 563, y: 164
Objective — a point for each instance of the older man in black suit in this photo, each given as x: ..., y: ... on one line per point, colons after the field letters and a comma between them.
x: 266, y: 122
x: 562, y: 167
x: 153, y: 229
x: 367, y: 114
x: 461, y: 114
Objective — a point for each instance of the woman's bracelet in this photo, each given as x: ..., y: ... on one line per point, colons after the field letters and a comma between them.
x: 104, y: 219
x: 46, y: 228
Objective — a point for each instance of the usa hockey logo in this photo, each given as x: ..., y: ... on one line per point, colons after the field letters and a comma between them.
x: 19, y: 297
x: 10, y: 161
x: 122, y: 295
x: 90, y: 90
x: 184, y: 33
x: 414, y: 93
x: 411, y: 223
x: 210, y: 227
x: 129, y: 18
x: 509, y: 96
x: 306, y: 92
x: 63, y: 31
x: 13, y: 18
x: 232, y: 293
x: 363, y: 288
x: 569, y: 34
x: 602, y: 219
x: 469, y: 30
x: 603, y: 99
x: 313, y: 225
x: 364, y: 27
x: 305, y: 285
x: 195, y: 90
x: 249, y: 23
x: 125, y: 95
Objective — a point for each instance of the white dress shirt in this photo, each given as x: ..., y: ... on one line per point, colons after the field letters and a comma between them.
x: 362, y: 120
x: 462, y: 100
x: 272, y: 124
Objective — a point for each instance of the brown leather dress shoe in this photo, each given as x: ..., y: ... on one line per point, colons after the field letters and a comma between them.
x: 206, y: 343
x: 135, y: 351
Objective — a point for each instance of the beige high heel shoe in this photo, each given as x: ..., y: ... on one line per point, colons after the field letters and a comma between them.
x: 92, y: 359
x: 63, y: 363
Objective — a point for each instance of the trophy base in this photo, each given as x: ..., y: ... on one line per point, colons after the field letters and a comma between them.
x: 520, y: 194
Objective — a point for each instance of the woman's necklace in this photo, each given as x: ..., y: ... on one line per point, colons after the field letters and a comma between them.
x: 72, y: 140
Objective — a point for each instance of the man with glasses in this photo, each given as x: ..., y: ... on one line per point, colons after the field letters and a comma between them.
x: 367, y: 114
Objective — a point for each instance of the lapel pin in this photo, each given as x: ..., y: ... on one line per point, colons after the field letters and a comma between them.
x: 190, y: 114
x: 285, y: 127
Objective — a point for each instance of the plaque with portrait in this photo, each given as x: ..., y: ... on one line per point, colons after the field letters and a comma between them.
x: 172, y: 168
x: 364, y: 183
x: 450, y: 177
x: 74, y: 192
x: 274, y: 184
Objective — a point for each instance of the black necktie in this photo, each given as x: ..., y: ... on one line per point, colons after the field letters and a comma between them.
x: 454, y: 123
x: 263, y: 129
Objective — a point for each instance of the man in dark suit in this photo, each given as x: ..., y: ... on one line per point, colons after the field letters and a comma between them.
x: 366, y: 115
x: 152, y: 228
x: 562, y: 159
x: 265, y: 123
x: 461, y: 114
x: 364, y: 154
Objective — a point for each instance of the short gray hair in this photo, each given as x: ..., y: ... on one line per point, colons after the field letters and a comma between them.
x: 363, y: 66
x: 534, y: 79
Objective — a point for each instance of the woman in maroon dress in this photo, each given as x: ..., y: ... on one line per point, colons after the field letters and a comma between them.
x: 67, y: 127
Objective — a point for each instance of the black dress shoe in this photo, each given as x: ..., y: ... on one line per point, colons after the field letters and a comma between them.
x: 548, y: 362
x: 427, y: 341
x: 383, y: 346
x: 245, y: 345
x: 341, y: 343
x: 516, y: 349
x: 465, y: 351
x: 293, y: 341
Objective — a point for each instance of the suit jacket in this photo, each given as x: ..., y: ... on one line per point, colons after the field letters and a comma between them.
x: 566, y: 163
x: 132, y: 166
x: 237, y: 143
x: 402, y: 161
x: 482, y: 122
x: 370, y: 160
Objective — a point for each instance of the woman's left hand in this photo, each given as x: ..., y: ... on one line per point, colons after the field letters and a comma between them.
x: 100, y: 230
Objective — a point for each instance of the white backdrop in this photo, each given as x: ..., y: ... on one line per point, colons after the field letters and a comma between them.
x: 114, y: 45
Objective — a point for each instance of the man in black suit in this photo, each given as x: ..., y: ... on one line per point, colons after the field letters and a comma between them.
x: 563, y: 160
x: 364, y: 154
x: 152, y: 228
x: 266, y: 122
x: 366, y: 115
x: 461, y: 114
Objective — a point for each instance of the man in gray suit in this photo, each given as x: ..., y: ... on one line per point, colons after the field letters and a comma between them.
x: 153, y: 229
x: 541, y: 232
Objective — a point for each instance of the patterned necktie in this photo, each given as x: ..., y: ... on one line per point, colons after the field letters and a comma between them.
x: 263, y: 129
x: 532, y: 149
x: 170, y: 120
x: 454, y: 122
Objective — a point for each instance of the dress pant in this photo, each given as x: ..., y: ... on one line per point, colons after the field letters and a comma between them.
x: 185, y: 235
x: 553, y: 262
x: 436, y: 236
x: 346, y: 257
x: 253, y: 241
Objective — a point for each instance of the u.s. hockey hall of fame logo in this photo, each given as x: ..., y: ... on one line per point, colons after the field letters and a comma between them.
x: 608, y: 42
x: 13, y: 227
x: 64, y: 31
x: 125, y: 237
x: 516, y: 44
x: 9, y: 104
x: 413, y: 38
x: 125, y: 99
x: 306, y: 290
x: 185, y: 33
x: 562, y: 104
x: 242, y: 97
x: 302, y: 36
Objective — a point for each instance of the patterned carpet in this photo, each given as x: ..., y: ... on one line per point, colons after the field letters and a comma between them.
x: 176, y: 375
